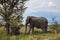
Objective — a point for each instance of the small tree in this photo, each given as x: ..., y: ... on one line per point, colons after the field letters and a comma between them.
x: 12, y: 12
x: 54, y: 24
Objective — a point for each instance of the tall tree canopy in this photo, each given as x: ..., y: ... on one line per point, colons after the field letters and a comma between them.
x: 12, y: 12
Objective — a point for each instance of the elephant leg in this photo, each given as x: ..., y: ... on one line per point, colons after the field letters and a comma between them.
x: 29, y: 30
x: 32, y: 29
x: 44, y: 30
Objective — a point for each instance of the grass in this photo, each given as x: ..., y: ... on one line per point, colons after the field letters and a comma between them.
x: 38, y: 35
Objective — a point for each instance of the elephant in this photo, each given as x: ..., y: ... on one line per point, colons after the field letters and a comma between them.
x: 38, y: 22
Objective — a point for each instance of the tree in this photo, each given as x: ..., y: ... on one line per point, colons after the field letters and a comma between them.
x: 12, y: 12
x: 54, y: 22
x: 54, y: 25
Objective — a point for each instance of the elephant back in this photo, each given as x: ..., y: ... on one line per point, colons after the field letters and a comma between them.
x: 39, y: 19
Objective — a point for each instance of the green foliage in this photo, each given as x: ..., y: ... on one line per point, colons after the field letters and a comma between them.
x: 54, y: 23
x: 55, y: 26
x: 12, y: 11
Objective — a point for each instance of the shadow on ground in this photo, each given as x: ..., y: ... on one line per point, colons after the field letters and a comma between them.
x: 40, y: 32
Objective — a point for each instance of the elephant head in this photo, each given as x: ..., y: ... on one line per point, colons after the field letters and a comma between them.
x: 27, y: 22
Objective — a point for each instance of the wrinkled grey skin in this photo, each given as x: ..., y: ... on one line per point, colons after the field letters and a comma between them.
x: 38, y: 22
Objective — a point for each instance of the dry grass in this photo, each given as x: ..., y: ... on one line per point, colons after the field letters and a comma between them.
x: 38, y: 35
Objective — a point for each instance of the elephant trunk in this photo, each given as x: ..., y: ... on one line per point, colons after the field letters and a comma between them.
x: 26, y: 27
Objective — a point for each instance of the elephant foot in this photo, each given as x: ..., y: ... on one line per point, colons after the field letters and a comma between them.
x: 32, y: 32
x: 28, y: 32
x: 44, y: 31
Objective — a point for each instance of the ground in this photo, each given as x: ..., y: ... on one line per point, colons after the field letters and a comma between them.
x: 38, y: 35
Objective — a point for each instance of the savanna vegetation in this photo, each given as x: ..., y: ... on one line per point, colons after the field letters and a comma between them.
x: 52, y: 34
x: 11, y: 12
x: 38, y: 34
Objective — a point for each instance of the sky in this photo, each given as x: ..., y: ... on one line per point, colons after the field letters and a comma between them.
x: 44, y: 8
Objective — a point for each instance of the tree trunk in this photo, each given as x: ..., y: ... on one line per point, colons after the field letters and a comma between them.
x: 7, y: 24
x: 7, y: 28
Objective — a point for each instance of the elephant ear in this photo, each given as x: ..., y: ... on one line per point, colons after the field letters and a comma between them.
x: 28, y: 19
